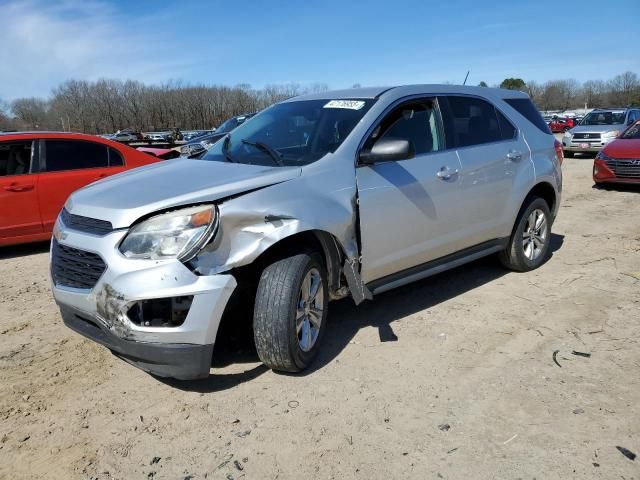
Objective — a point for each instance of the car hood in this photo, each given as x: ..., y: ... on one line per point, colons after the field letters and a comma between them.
x: 623, y: 148
x: 124, y: 198
x: 596, y: 128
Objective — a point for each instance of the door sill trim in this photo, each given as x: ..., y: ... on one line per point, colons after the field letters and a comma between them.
x: 438, y: 265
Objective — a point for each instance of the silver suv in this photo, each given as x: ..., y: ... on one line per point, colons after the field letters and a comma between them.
x: 344, y: 193
x: 598, y: 128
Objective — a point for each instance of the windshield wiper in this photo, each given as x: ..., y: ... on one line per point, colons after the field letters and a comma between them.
x: 225, y: 149
x: 266, y: 148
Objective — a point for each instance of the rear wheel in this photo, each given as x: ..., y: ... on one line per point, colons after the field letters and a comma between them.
x: 290, y: 312
x: 529, y: 243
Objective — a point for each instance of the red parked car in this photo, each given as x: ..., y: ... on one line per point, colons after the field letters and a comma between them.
x: 562, y: 124
x: 38, y: 171
x: 619, y: 161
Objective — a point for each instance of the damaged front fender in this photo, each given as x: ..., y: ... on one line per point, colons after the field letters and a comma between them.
x: 250, y: 224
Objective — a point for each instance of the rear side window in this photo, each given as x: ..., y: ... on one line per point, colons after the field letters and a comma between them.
x: 529, y: 111
x: 74, y: 154
x: 15, y: 158
x: 472, y: 121
x: 115, y: 159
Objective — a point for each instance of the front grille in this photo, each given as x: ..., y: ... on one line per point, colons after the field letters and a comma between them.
x: 75, y: 268
x: 85, y: 224
x: 586, y: 136
x: 625, y: 168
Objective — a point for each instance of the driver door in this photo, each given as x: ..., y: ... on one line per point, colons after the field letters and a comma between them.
x: 407, y: 207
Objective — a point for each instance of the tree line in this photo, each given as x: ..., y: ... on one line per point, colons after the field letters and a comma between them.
x: 620, y: 91
x: 105, y: 106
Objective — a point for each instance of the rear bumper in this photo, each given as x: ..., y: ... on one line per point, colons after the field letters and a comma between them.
x: 176, y: 360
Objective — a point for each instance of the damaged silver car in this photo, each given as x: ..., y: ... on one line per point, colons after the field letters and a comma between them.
x: 335, y: 194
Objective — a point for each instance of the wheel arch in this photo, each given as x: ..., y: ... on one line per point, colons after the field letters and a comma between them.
x: 320, y: 241
x: 544, y: 190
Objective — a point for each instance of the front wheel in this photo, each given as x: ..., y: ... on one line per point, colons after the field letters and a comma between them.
x: 529, y: 243
x: 290, y: 312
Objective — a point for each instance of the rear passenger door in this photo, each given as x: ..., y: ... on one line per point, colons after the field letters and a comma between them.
x: 68, y: 165
x: 491, y: 153
x: 19, y: 211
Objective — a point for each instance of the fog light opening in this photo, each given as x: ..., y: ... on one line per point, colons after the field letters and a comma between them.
x: 160, y: 312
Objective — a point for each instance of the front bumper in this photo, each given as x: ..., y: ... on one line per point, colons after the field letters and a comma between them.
x: 160, y: 350
x: 602, y: 173
x: 181, y: 361
x: 585, y: 145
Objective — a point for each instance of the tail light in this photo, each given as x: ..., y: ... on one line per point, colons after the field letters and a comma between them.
x: 559, y: 152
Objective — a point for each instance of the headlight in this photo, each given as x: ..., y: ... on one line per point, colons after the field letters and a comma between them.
x: 611, y: 134
x: 603, y: 156
x: 567, y: 134
x: 179, y: 234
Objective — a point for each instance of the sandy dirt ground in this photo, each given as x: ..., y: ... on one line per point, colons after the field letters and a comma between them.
x: 451, y: 377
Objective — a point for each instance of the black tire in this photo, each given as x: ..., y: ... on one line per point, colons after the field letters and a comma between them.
x: 274, y: 317
x: 513, y: 257
x: 568, y: 154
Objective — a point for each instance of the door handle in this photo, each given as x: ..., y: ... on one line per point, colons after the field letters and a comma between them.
x: 445, y: 173
x: 100, y: 177
x: 514, y: 155
x: 14, y: 187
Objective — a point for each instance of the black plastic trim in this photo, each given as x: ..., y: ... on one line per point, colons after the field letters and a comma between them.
x: 468, y: 253
x: 176, y: 360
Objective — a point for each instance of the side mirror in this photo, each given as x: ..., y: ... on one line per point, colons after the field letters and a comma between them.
x: 388, y: 150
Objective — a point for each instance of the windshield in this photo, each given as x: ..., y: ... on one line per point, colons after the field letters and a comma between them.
x: 632, y: 132
x: 227, y: 126
x: 604, y: 118
x: 291, y: 133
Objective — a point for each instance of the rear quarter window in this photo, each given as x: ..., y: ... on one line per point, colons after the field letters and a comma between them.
x: 525, y: 107
x: 115, y: 159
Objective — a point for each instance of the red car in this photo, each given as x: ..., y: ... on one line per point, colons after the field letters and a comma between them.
x: 38, y: 171
x: 619, y: 161
x: 562, y: 124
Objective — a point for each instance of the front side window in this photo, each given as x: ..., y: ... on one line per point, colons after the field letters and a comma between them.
x: 291, y: 133
x: 604, y: 118
x: 416, y: 121
x: 15, y: 158
x: 473, y: 121
x: 74, y: 154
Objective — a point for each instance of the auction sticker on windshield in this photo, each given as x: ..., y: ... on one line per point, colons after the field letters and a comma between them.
x: 350, y: 104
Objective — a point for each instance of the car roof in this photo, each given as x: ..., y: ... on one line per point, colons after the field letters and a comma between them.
x: 48, y: 133
x: 405, y: 90
x: 10, y: 136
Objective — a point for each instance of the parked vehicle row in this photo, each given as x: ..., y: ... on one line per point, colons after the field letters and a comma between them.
x: 38, y: 171
x: 598, y: 128
x: 200, y: 144
x: 351, y: 192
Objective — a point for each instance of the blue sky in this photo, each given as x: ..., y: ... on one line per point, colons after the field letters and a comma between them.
x: 44, y: 42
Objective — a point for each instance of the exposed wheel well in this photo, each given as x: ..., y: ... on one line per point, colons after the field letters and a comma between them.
x: 316, y: 240
x: 545, y: 191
